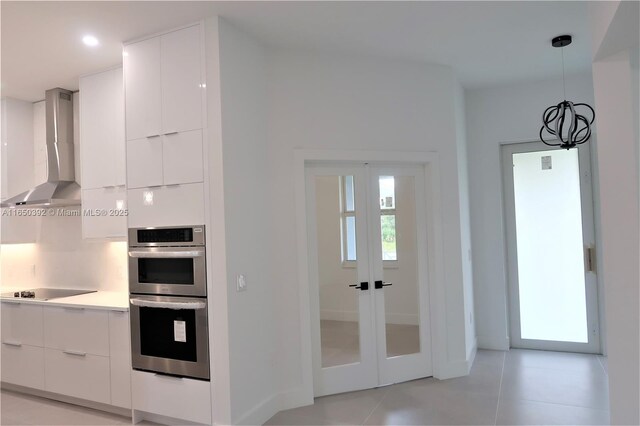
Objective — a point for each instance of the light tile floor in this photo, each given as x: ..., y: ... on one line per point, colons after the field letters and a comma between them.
x: 519, y: 387
x: 504, y: 388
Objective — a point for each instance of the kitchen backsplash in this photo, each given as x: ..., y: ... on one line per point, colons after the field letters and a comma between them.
x: 62, y: 259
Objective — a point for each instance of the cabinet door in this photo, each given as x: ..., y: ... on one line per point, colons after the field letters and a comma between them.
x: 120, y: 358
x: 142, y: 89
x: 22, y: 323
x: 104, y: 212
x: 191, y: 399
x: 182, y: 157
x: 181, y: 80
x: 144, y: 162
x: 97, y: 130
x: 78, y: 330
x: 174, y: 205
x: 23, y: 365
x: 119, y: 146
x: 81, y: 376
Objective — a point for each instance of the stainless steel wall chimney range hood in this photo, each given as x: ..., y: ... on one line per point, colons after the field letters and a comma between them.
x: 60, y: 189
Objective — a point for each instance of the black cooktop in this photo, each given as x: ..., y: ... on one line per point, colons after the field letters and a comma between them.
x: 45, y: 293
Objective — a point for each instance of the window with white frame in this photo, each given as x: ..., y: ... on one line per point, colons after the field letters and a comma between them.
x: 387, y: 219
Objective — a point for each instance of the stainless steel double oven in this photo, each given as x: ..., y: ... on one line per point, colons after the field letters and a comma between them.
x: 168, y: 301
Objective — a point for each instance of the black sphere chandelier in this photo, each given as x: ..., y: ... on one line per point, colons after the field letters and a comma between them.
x: 562, y: 120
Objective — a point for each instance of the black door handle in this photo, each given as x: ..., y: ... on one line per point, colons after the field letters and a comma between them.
x: 380, y: 284
x: 363, y: 285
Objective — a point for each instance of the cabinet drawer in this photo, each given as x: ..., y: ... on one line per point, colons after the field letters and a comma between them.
x: 180, y: 398
x: 22, y: 324
x: 166, y: 206
x: 80, y: 376
x: 109, y: 225
x: 77, y: 329
x: 23, y: 365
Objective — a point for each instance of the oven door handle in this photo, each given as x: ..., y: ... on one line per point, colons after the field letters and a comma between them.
x: 166, y: 254
x: 146, y: 303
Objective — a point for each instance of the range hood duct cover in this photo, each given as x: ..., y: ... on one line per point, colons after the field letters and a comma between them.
x: 60, y: 189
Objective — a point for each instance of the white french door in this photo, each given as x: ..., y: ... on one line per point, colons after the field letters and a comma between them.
x: 368, y: 256
x: 550, y: 247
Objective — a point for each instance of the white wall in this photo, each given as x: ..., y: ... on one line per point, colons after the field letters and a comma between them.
x: 506, y: 114
x: 334, y: 102
x: 615, y: 78
x: 253, y: 344
x: 465, y: 217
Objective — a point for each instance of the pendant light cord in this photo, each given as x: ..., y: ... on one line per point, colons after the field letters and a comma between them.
x: 564, y: 90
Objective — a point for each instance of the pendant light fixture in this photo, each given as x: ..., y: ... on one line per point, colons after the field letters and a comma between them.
x: 562, y: 121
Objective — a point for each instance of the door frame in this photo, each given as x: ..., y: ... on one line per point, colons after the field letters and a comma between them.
x: 436, y: 287
x: 592, y: 283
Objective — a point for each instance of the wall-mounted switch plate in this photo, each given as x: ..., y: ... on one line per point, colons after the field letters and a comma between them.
x: 241, y: 283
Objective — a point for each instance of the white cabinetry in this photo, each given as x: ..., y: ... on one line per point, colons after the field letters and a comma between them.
x: 164, y: 98
x: 120, y: 359
x: 16, y: 158
x: 175, y: 397
x: 103, y: 154
x: 77, y: 352
x: 22, y: 345
x: 174, y: 205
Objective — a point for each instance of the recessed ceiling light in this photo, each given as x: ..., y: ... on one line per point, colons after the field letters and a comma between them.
x: 90, y: 40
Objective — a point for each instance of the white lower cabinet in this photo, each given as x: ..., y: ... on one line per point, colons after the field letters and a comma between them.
x: 77, y: 329
x: 23, y: 365
x: 71, y: 351
x: 77, y: 374
x: 120, y: 359
x: 179, y: 398
x: 166, y: 205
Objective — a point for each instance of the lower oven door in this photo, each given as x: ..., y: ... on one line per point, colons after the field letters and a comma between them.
x: 170, y: 335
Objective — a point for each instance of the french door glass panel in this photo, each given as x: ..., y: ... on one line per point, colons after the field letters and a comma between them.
x: 398, y: 240
x: 551, y: 277
x: 339, y: 311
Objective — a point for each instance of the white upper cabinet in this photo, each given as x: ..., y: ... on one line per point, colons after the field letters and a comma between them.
x: 181, y: 80
x: 102, y: 152
x: 143, y: 96
x: 101, y: 132
x: 164, y: 98
x: 17, y: 167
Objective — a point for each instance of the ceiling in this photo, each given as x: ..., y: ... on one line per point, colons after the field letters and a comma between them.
x: 486, y: 43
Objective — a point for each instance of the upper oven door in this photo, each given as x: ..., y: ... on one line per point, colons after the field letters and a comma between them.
x: 167, y: 270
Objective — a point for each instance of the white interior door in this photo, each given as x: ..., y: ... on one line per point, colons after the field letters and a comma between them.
x: 363, y: 336
x: 398, y: 237
x: 550, y: 240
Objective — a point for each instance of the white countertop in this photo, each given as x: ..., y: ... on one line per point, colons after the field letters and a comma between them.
x: 110, y: 300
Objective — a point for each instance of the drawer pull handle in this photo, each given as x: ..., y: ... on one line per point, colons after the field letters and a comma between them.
x: 73, y: 308
x: 153, y: 136
x: 171, y: 133
x: 75, y: 353
x: 16, y: 344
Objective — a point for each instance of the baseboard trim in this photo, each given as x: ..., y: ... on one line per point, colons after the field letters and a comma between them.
x: 139, y: 416
x: 262, y: 412
x: 295, y: 398
x: 126, y: 412
x: 493, y: 343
